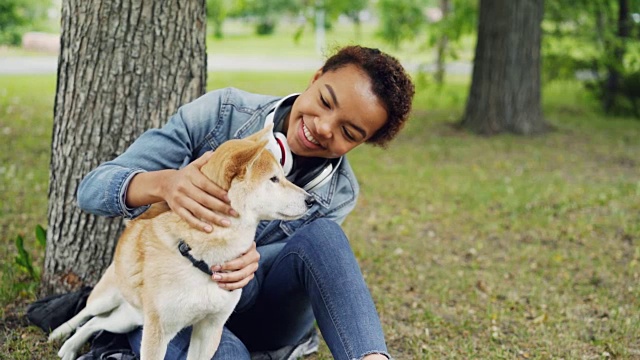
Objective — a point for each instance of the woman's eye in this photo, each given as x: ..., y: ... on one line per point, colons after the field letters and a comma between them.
x: 324, y: 102
x: 348, y: 134
x: 274, y: 179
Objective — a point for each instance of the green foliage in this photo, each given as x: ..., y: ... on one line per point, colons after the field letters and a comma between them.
x: 264, y: 13
x: 216, y: 14
x: 24, y: 264
x: 404, y: 21
x: 461, y: 20
x: 17, y: 16
x: 583, y: 37
x: 400, y: 20
x: 23, y: 258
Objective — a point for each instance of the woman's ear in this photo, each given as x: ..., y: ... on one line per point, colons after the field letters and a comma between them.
x: 316, y: 76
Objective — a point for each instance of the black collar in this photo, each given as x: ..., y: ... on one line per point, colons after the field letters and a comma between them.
x: 184, y: 249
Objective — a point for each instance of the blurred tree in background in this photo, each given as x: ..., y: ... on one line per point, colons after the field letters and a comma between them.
x: 217, y: 11
x: 266, y: 13
x: 596, y: 42
x: 443, y: 22
x: 400, y: 20
x: 599, y: 40
x: 505, y: 94
x: 19, y: 16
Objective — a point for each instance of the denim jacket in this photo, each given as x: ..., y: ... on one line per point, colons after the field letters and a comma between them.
x: 196, y: 128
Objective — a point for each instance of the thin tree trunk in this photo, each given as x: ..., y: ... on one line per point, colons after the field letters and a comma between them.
x: 615, y: 64
x: 505, y: 88
x: 445, y: 7
x: 124, y: 66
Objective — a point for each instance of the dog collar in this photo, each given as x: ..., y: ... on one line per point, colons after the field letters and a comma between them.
x: 184, y: 249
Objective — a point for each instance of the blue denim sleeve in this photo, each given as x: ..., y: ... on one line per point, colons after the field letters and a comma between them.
x: 180, y: 141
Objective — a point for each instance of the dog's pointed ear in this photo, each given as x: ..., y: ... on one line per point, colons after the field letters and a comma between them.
x: 239, y: 162
x: 233, y: 158
x: 263, y: 134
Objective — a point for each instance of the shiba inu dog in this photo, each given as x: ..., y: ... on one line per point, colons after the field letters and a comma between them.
x: 160, y: 276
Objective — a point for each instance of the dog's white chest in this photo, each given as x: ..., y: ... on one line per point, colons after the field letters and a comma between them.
x: 195, y: 298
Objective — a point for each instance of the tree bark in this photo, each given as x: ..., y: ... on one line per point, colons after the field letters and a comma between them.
x: 505, y: 87
x: 615, y: 63
x: 443, y: 41
x: 124, y: 66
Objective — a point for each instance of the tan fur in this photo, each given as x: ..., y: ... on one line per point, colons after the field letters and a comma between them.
x: 150, y: 283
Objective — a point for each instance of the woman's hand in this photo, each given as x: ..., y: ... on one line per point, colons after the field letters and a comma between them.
x: 187, y: 191
x: 195, y: 198
x: 237, y: 273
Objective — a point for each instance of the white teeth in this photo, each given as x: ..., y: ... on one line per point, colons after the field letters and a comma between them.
x: 307, y: 134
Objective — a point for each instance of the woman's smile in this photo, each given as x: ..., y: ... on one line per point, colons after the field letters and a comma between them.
x: 336, y: 113
x: 306, y: 135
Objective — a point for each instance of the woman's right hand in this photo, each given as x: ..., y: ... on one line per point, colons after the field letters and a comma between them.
x: 195, y: 198
x: 188, y: 192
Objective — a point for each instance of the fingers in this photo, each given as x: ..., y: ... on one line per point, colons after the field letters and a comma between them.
x: 238, y: 272
x: 235, y: 285
x: 202, y: 159
x: 193, y: 221
x: 211, y: 196
x: 197, y: 199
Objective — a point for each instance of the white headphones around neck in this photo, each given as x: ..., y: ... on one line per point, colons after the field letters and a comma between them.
x: 280, y: 149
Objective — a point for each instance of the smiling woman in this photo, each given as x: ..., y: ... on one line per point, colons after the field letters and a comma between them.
x: 338, y: 112
x: 360, y: 95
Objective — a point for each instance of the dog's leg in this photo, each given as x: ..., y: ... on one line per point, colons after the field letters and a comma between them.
x: 155, y: 337
x: 206, y: 334
x: 104, y: 298
x: 205, y: 338
x: 121, y: 320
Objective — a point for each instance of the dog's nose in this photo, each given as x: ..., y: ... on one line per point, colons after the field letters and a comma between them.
x: 309, y: 200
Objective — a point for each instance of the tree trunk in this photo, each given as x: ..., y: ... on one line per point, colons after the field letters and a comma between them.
x: 443, y: 41
x: 615, y: 63
x: 124, y: 66
x: 505, y: 88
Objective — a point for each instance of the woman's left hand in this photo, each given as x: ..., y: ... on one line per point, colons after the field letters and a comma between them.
x: 237, y: 273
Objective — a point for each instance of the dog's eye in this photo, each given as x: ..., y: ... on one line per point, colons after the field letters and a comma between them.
x: 274, y: 179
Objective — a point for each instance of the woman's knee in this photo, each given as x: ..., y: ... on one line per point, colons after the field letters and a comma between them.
x: 322, y: 241
x: 319, y: 234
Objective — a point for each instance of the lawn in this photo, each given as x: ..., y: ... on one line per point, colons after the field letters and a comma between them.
x: 473, y: 247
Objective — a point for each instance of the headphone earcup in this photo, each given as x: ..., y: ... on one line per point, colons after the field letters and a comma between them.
x: 286, y: 158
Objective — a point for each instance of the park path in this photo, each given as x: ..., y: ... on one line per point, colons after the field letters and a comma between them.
x: 48, y: 64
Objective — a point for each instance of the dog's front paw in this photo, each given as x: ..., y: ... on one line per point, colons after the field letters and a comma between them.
x: 68, y: 351
x: 60, y: 332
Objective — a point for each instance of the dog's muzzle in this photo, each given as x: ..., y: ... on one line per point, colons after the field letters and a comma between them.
x: 309, y: 200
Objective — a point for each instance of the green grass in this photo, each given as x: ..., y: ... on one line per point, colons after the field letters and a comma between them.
x: 473, y: 247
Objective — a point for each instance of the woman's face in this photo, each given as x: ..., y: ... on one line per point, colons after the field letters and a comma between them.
x: 336, y: 113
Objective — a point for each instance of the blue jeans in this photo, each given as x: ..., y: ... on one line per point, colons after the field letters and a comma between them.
x: 313, y: 276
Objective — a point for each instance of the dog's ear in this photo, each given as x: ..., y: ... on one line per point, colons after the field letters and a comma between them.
x: 262, y: 134
x: 233, y: 158
x: 242, y: 159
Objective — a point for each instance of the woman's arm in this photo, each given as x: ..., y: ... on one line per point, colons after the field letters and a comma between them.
x: 159, y: 166
x: 187, y: 192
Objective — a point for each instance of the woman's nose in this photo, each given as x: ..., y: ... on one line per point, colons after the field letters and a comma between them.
x: 323, y: 127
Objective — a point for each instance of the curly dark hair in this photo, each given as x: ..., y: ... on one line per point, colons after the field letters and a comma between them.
x: 389, y: 81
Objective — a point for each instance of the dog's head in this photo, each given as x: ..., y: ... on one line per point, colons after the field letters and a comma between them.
x: 255, y: 180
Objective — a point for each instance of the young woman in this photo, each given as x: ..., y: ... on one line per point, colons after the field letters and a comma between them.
x: 297, y: 273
